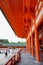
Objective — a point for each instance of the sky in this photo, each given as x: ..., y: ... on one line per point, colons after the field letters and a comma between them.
x: 6, y: 31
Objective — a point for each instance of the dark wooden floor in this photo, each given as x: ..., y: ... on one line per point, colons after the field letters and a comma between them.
x: 26, y: 59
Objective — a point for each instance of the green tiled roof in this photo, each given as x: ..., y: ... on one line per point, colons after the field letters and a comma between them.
x: 14, y: 44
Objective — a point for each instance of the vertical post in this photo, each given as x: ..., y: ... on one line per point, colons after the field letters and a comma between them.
x: 29, y: 46
x: 37, y: 45
x: 42, y: 34
x: 42, y: 39
x: 32, y: 45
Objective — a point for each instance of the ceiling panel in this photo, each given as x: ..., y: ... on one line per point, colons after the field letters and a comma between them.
x: 20, y: 21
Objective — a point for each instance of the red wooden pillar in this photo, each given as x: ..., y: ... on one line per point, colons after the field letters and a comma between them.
x: 29, y: 46
x: 42, y: 33
x: 37, y: 45
x: 42, y: 37
x: 32, y: 45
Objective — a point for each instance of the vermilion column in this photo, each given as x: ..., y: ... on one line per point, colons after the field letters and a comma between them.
x: 42, y: 34
x: 32, y: 45
x: 37, y: 45
x: 29, y: 46
x: 42, y: 37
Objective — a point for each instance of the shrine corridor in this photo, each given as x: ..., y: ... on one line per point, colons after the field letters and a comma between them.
x: 27, y: 59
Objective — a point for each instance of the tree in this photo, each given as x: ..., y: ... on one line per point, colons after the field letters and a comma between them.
x: 5, y: 41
